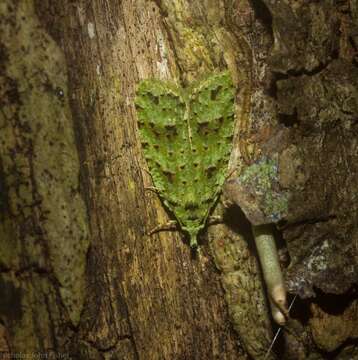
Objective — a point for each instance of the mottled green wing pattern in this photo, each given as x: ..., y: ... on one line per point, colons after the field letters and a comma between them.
x: 186, y: 137
x: 161, y: 109
x: 212, y: 112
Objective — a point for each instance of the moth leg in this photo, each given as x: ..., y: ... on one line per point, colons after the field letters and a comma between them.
x: 170, y: 225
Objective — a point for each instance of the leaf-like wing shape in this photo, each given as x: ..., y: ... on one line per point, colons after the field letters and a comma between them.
x: 186, y: 141
x: 161, y: 109
x: 211, y: 123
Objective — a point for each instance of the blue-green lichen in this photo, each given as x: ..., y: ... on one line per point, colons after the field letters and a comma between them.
x: 261, y: 179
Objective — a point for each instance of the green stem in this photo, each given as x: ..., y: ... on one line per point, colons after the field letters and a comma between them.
x: 267, y: 251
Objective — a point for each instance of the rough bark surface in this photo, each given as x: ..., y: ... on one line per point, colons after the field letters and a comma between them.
x: 79, y: 276
x: 44, y: 227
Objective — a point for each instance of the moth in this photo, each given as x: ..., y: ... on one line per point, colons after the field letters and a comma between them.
x: 186, y: 136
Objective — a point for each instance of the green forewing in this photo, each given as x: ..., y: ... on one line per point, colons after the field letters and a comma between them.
x: 186, y: 136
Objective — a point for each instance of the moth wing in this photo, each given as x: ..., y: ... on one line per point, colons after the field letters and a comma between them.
x: 212, y: 107
x: 161, y: 109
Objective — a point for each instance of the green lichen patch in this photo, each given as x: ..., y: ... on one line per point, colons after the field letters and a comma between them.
x: 186, y: 136
x: 261, y: 180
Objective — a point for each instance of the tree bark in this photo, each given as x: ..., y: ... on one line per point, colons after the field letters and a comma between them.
x: 79, y: 276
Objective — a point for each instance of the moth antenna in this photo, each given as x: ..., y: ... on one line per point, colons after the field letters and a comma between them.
x: 169, y: 226
x: 278, y: 332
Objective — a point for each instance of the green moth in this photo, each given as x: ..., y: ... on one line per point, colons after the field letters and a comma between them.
x: 186, y: 135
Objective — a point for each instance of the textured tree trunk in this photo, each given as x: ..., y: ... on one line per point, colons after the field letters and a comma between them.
x: 79, y: 276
